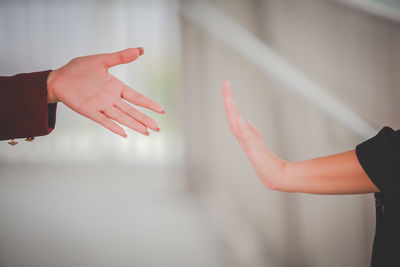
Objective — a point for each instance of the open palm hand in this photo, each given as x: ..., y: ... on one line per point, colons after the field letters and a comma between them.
x: 86, y: 86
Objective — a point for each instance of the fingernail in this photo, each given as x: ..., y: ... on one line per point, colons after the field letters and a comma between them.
x: 141, y: 50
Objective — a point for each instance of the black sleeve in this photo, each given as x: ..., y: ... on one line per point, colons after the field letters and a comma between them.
x: 380, y: 159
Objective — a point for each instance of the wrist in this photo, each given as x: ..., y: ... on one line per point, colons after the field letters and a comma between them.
x: 51, y: 97
x: 282, y: 176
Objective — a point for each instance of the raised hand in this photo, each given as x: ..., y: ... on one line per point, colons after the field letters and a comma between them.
x: 267, y: 166
x: 335, y: 174
x: 85, y: 85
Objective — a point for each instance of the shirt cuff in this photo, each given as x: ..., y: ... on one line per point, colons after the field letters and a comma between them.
x: 24, y: 106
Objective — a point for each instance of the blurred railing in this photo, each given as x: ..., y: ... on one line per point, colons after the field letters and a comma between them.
x: 389, y: 9
x: 235, y: 36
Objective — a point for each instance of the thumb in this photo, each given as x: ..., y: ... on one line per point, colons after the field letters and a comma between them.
x: 121, y: 57
x: 253, y: 129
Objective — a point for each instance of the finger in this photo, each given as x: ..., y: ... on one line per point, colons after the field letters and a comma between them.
x: 226, y: 88
x: 123, y: 118
x: 230, y: 107
x: 138, y: 99
x: 107, y: 123
x: 253, y: 129
x: 227, y: 91
x: 121, y: 57
x: 137, y: 115
x: 231, y: 116
x: 246, y: 137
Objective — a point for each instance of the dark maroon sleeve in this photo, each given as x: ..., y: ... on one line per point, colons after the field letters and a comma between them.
x: 24, y: 111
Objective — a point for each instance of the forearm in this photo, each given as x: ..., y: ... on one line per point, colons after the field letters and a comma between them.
x: 335, y: 174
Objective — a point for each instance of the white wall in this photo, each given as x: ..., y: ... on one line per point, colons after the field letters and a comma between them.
x: 353, y: 55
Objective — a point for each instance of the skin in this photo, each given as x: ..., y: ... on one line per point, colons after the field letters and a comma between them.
x: 334, y: 174
x: 85, y: 85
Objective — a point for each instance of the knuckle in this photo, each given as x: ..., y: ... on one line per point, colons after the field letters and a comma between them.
x: 120, y: 58
x: 132, y: 124
x: 75, y: 60
x: 132, y: 111
x: 103, y: 120
x: 143, y: 117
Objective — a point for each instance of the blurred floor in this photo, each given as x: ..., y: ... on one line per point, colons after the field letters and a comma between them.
x: 56, y: 216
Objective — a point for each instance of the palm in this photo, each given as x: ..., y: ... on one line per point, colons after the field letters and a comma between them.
x: 267, y: 166
x: 86, y: 86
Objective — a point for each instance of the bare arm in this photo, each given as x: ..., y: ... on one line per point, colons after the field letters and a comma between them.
x: 335, y: 174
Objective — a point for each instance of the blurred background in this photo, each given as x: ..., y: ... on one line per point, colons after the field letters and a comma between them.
x: 315, y: 76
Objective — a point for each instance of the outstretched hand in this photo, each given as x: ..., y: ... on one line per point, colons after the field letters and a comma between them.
x: 267, y: 166
x: 85, y: 85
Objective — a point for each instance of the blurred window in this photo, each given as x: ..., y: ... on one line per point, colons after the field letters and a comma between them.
x: 40, y: 35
